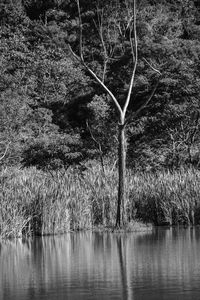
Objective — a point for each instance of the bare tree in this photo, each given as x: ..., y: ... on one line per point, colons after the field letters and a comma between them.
x: 183, y: 139
x: 130, y: 28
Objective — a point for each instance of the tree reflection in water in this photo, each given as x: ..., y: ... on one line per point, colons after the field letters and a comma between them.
x: 158, y: 265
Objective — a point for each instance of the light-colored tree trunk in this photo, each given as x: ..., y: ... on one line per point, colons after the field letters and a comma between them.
x: 121, y: 110
x: 122, y: 175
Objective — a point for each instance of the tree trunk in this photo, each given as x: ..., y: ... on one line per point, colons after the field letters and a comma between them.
x: 121, y: 175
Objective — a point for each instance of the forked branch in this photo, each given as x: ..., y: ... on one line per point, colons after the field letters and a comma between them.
x: 80, y: 58
x: 134, y: 49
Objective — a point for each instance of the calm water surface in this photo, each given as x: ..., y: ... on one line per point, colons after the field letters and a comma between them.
x: 164, y: 264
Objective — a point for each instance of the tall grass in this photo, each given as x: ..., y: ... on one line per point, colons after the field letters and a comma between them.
x: 34, y: 202
x: 166, y: 198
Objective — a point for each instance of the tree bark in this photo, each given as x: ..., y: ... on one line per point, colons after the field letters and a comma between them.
x: 120, y: 110
x: 121, y: 175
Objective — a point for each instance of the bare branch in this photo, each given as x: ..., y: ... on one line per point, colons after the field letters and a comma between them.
x: 144, y: 104
x: 2, y: 157
x: 104, y: 87
x: 135, y: 57
x: 134, y: 49
x: 114, y: 165
x: 80, y: 31
x: 192, y: 130
x: 153, y: 68
x: 91, y: 134
x: 148, y: 99
x: 195, y: 127
x: 105, y: 52
x: 98, y: 146
x: 80, y: 58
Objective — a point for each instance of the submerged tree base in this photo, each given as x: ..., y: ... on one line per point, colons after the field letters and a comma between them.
x: 134, y: 226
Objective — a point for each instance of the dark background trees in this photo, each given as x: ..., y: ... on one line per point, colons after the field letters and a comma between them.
x: 53, y: 114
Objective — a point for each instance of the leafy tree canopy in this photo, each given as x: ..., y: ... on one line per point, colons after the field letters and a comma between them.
x: 54, y: 114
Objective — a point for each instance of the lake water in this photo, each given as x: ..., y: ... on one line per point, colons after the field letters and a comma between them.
x: 164, y: 264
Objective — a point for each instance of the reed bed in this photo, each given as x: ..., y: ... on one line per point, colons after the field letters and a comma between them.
x: 166, y: 198
x: 35, y: 202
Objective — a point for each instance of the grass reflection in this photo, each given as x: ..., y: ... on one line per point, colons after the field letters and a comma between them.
x: 100, y: 265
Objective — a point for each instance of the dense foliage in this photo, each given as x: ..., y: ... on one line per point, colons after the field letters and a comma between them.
x: 53, y: 115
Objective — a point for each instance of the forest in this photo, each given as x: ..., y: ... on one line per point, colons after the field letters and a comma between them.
x: 59, y: 127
